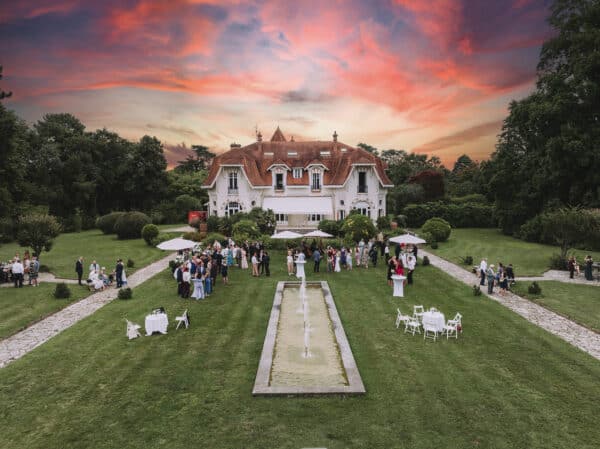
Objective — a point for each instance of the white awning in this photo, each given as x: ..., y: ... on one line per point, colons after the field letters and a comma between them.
x: 299, y: 205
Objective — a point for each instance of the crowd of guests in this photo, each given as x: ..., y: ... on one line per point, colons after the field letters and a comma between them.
x: 196, y: 271
x: 20, y: 270
x: 502, y: 277
x: 99, y: 278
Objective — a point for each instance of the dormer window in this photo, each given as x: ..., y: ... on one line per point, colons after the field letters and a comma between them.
x: 362, y: 182
x: 278, y: 181
x: 233, y: 182
x: 297, y: 172
x: 315, y: 180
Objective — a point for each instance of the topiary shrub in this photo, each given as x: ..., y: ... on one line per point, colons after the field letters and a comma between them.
x: 439, y: 228
x: 467, y: 260
x: 149, y: 233
x: 476, y: 290
x: 534, y: 289
x: 130, y: 263
x: 62, y: 291
x: 245, y: 230
x: 125, y: 293
x: 426, y: 261
x: 130, y: 225
x: 434, y: 245
x: 106, y: 223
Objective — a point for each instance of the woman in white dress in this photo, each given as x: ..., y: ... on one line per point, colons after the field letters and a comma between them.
x: 290, y: 263
x: 338, y: 256
x: 244, y: 264
x: 349, y: 259
x: 198, y: 287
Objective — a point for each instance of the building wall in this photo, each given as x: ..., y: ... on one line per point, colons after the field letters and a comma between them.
x: 375, y: 196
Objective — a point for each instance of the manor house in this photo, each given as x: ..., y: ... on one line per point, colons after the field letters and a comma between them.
x: 302, y: 182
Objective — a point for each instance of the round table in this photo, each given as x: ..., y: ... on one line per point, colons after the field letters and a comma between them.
x: 398, y: 285
x: 435, y: 320
x: 156, y: 322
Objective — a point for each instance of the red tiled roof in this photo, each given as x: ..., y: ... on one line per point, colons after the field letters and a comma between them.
x: 296, y: 154
x: 278, y: 136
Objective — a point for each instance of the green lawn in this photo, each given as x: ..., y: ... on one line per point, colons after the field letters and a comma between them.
x: 528, y: 259
x: 23, y: 306
x: 105, y: 249
x: 503, y: 384
x: 580, y: 303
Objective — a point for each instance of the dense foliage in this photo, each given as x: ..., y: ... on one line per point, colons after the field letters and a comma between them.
x: 106, y: 223
x: 130, y: 225
x: 37, y: 231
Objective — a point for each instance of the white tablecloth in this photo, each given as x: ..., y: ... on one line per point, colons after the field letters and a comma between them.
x: 398, y: 285
x: 156, y: 323
x: 435, y: 320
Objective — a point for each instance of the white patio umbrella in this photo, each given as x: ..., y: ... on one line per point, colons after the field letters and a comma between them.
x: 318, y: 233
x: 176, y: 244
x: 286, y: 235
x: 407, y: 239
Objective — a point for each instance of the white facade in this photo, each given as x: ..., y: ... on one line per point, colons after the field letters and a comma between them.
x: 363, y: 190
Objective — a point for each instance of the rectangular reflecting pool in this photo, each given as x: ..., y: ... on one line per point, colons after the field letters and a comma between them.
x: 306, y: 350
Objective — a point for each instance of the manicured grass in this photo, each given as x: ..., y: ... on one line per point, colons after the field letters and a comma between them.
x: 504, y: 383
x: 23, y: 306
x: 92, y: 245
x: 580, y: 303
x: 528, y: 259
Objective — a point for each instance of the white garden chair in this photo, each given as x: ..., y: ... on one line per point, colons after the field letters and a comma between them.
x: 400, y: 318
x: 433, y: 309
x: 429, y: 331
x: 412, y: 325
x: 183, y: 319
x: 452, y: 326
x: 133, y: 330
x: 418, y: 311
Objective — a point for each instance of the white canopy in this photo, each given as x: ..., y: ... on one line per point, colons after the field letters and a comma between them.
x: 286, y: 235
x: 407, y: 239
x: 299, y: 205
x: 318, y: 233
x: 176, y: 244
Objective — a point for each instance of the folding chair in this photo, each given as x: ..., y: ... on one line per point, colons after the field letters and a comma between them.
x: 413, y: 325
x: 183, y: 319
x: 401, y: 319
x: 418, y: 311
x: 133, y: 330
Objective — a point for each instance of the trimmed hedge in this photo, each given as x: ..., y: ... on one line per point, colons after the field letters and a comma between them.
x: 106, y: 223
x: 130, y: 225
x: 467, y: 215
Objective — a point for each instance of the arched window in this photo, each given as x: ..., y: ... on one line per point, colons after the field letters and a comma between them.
x: 232, y: 208
x: 363, y: 208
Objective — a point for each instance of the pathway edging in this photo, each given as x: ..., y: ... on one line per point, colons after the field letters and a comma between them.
x: 573, y: 333
x: 21, y: 343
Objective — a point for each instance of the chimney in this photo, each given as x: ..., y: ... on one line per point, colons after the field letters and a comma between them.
x: 259, y: 136
x: 335, y: 136
x: 235, y: 145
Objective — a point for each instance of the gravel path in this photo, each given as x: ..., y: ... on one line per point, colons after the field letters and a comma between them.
x: 42, y: 277
x: 571, y: 332
x: 561, y: 276
x: 21, y: 343
x: 180, y: 229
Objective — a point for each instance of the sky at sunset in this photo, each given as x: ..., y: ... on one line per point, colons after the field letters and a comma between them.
x: 430, y: 76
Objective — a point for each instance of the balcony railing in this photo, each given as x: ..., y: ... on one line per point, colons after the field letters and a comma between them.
x: 232, y: 190
x: 363, y: 189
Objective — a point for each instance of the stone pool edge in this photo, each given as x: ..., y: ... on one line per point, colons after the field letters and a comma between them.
x: 261, y: 385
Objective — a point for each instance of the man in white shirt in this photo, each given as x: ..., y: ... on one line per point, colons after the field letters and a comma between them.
x: 410, y: 267
x: 17, y: 273
x: 482, y: 269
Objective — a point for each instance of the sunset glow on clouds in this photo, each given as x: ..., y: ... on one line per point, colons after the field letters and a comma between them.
x: 428, y: 76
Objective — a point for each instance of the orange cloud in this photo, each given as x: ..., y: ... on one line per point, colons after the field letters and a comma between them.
x: 465, y: 136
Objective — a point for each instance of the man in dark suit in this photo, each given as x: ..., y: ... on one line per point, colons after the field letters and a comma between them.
x: 265, y: 262
x: 119, y: 273
x: 79, y: 269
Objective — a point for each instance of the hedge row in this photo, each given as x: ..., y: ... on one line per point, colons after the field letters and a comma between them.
x: 468, y: 215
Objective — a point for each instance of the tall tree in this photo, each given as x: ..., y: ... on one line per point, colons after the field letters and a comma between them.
x: 2, y: 93
x: 147, y: 181
x: 549, y: 151
x: 200, y: 160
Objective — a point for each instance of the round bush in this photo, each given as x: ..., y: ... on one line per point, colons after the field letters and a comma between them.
x: 106, y: 223
x: 62, y: 291
x: 125, y: 293
x: 245, y: 230
x: 426, y: 261
x: 149, y: 233
x: 439, y: 229
x: 534, y: 289
x: 130, y: 225
x: 130, y: 263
